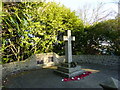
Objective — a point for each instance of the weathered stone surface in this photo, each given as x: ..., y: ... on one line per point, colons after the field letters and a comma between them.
x: 68, y: 70
x: 65, y: 64
x: 0, y: 76
x: 72, y: 74
x: 13, y: 67
x: 68, y: 46
x: 111, y: 83
x: 46, y: 56
x: 31, y: 62
x: 45, y: 78
x: 95, y: 59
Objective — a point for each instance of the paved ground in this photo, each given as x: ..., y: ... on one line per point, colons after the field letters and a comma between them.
x: 45, y: 78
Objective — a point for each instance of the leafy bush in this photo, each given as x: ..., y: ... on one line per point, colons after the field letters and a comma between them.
x: 33, y: 27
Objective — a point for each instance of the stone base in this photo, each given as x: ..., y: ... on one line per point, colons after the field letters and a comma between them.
x: 65, y: 71
x: 68, y: 75
x: 68, y: 70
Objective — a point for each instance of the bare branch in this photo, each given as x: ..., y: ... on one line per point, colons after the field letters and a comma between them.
x: 91, y: 15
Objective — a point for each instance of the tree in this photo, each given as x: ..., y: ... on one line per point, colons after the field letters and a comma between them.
x: 32, y: 27
x: 91, y: 15
x: 103, y: 38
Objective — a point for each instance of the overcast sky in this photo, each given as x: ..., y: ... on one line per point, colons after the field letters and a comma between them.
x: 77, y: 4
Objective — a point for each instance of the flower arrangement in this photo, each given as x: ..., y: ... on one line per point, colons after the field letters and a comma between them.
x: 77, y: 77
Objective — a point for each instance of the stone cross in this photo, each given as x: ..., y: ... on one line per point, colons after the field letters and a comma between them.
x: 68, y: 46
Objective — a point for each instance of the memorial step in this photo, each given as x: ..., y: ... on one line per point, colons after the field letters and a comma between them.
x: 68, y: 70
x: 66, y: 64
x: 68, y: 75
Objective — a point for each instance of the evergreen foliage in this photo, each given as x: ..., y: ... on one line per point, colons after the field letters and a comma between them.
x: 33, y: 27
x: 103, y: 38
x: 38, y: 27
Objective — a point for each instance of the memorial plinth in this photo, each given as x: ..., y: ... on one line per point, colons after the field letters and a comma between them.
x: 68, y: 68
